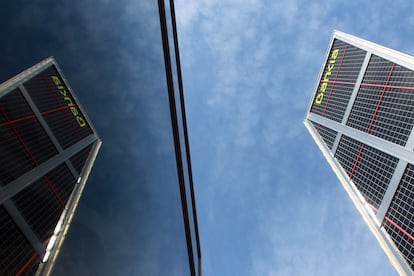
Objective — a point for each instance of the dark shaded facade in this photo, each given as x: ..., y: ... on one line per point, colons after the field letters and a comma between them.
x: 137, y: 214
x: 361, y: 115
x: 48, y: 147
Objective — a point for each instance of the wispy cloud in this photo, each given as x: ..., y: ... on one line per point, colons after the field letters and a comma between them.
x: 310, y: 235
x: 262, y: 59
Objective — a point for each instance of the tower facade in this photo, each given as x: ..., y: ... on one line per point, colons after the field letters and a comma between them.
x: 361, y: 115
x: 47, y: 146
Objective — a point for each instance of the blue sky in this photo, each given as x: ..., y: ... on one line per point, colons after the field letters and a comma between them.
x: 268, y: 203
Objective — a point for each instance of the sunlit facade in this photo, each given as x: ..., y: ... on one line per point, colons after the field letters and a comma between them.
x: 361, y: 116
x: 47, y: 146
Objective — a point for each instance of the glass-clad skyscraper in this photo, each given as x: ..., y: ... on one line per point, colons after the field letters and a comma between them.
x: 361, y: 115
x: 47, y: 146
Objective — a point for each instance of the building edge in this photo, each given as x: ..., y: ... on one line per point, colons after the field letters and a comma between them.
x: 319, y: 76
x: 55, y: 242
x: 62, y: 228
x: 386, y: 52
x: 362, y: 206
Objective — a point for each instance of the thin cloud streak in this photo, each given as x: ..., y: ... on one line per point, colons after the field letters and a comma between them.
x: 262, y: 59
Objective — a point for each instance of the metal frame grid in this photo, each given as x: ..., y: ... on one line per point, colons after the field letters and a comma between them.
x: 18, y: 120
x: 367, y: 174
x: 333, y: 92
x: 365, y: 209
x: 62, y: 227
x: 57, y: 107
x: 369, y: 169
x: 15, y: 247
x: 41, y: 174
x: 383, y: 106
x: 79, y: 159
x: 399, y: 219
x: 42, y: 202
x: 328, y: 135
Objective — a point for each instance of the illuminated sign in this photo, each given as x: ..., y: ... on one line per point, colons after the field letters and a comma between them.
x: 81, y: 121
x: 331, y: 65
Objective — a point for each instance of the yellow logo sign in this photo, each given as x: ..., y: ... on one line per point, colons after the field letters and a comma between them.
x: 81, y: 121
x: 331, y: 65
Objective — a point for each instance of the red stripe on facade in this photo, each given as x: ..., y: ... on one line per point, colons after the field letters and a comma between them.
x: 394, y: 224
x: 57, y: 109
x: 26, y: 148
x: 18, y: 120
x: 356, y: 161
x: 371, y: 85
x: 53, y: 189
x: 34, y: 116
x: 399, y: 228
x: 27, y: 264
x: 331, y: 90
x: 28, y: 151
x: 319, y: 127
x: 380, y: 100
x: 372, y: 120
x: 336, y: 76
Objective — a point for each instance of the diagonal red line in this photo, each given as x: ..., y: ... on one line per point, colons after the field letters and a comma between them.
x: 356, y: 161
x: 34, y: 116
x: 18, y: 120
x: 371, y: 85
x: 57, y: 109
x: 330, y: 91
x: 399, y: 228
x: 380, y: 100
x: 26, y: 148
x: 27, y: 264
x: 372, y: 121
x: 394, y: 224
x: 388, y: 86
x: 53, y: 189
x: 336, y: 76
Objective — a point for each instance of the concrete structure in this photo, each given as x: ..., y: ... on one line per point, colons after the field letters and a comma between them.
x: 47, y: 146
x: 361, y: 115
